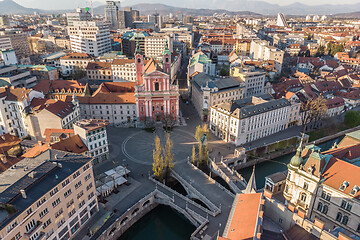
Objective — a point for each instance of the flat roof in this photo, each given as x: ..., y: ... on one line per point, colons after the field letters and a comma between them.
x: 47, y: 174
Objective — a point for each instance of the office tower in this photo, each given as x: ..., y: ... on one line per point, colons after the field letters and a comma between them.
x: 112, y: 14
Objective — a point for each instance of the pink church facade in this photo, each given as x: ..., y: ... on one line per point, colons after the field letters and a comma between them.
x: 155, y: 96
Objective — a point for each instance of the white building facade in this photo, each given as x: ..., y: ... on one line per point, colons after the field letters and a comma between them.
x: 91, y: 37
x: 249, y: 119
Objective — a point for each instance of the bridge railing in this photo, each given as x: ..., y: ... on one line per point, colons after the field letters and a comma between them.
x: 126, y: 213
x: 212, y: 180
x: 214, y: 208
x: 234, y: 172
x: 225, y: 177
x: 183, y: 197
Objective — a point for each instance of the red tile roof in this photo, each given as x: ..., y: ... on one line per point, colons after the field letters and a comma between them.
x: 47, y: 86
x: 243, y: 220
x: 49, y: 131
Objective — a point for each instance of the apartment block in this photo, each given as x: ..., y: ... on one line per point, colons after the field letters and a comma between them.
x: 248, y: 119
x: 91, y: 37
x: 81, y: 14
x: 93, y: 133
x: 206, y: 92
x: 13, y: 103
x: 254, y: 80
x: 73, y: 63
x: 50, y: 196
x: 17, y: 77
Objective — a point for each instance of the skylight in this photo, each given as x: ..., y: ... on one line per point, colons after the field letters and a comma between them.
x: 344, y: 185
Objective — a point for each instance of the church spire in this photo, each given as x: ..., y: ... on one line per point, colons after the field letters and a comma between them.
x: 251, y: 186
x: 297, y: 160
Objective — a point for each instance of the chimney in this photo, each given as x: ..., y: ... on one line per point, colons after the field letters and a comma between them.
x: 23, y: 193
x: 59, y: 165
x: 32, y: 174
x: 40, y: 143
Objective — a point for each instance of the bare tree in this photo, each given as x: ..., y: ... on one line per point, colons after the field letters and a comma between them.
x: 168, y: 122
x: 313, y: 110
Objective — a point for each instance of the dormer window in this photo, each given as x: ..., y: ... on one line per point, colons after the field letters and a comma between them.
x: 344, y: 185
x: 354, y: 190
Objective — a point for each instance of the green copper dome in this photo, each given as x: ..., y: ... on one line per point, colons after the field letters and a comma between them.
x: 296, y: 160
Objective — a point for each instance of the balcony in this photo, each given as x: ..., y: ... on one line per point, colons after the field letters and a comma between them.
x: 34, y: 229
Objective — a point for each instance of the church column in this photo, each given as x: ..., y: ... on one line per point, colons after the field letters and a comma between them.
x: 146, y: 107
x: 150, y: 109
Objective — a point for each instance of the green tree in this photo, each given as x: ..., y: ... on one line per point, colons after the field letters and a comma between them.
x: 158, y: 159
x: 193, y: 155
x: 352, y: 119
x: 168, y: 155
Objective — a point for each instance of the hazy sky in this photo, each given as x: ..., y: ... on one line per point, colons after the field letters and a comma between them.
x: 68, y: 4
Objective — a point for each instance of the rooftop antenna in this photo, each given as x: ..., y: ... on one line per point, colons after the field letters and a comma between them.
x: 92, y: 9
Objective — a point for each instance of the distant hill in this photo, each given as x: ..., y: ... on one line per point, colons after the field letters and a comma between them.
x: 11, y: 7
x: 163, y: 9
x: 230, y: 7
x: 347, y: 15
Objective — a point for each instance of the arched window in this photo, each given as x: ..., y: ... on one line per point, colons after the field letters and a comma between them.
x: 320, y: 206
x: 166, y: 59
x: 156, y: 86
x: 303, y: 197
x: 345, y: 220
x: 139, y: 60
x: 339, y: 217
x: 325, y: 209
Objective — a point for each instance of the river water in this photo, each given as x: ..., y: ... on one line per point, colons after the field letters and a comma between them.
x: 164, y: 223
x: 277, y: 164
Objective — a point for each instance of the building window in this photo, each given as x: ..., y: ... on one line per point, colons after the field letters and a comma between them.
x: 157, y: 86
x: 338, y: 217
x: 303, y: 197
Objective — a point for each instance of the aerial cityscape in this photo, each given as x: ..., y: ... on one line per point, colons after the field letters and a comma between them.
x: 176, y: 120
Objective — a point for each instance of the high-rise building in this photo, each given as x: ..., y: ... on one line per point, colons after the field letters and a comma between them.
x: 91, y: 37
x: 126, y: 17
x: 112, y: 14
x: 281, y: 22
x: 155, y: 45
x: 19, y: 43
x: 4, y: 21
x: 81, y: 14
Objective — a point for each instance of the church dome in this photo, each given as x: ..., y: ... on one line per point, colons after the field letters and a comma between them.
x: 296, y: 160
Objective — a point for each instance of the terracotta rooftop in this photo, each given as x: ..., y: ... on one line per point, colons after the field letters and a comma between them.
x: 92, y: 124
x: 8, y: 141
x: 98, y: 66
x: 14, y: 94
x: 72, y: 144
x: 243, y: 219
x: 50, y: 131
x: 76, y: 56
x: 47, y: 86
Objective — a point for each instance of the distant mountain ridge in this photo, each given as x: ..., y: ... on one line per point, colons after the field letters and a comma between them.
x: 150, y: 8
x: 230, y: 7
